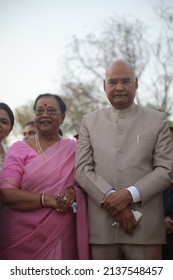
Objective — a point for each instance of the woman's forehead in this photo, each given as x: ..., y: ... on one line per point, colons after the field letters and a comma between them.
x: 4, y: 114
x: 47, y: 101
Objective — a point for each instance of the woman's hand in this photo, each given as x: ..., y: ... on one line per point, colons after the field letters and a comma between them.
x: 26, y: 201
x: 65, y: 200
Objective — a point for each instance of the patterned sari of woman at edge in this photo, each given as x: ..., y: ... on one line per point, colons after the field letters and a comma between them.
x: 38, y: 189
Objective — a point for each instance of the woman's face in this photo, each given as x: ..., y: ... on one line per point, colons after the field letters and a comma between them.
x: 48, y: 115
x: 5, y: 124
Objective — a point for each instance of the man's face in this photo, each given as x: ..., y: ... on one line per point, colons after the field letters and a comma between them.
x: 28, y: 132
x: 120, y: 85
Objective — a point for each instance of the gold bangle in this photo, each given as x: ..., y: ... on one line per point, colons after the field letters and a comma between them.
x: 42, y: 200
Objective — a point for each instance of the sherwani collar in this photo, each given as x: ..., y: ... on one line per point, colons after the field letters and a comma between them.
x: 130, y: 108
x: 116, y: 114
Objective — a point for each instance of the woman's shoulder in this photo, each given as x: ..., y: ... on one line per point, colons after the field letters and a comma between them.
x: 68, y: 140
x: 19, y: 146
x: 71, y: 143
x: 19, y: 143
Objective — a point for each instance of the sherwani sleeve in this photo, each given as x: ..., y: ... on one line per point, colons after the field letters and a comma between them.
x: 92, y: 183
x: 162, y: 174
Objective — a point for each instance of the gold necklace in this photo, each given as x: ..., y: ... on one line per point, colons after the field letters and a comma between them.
x: 37, y: 142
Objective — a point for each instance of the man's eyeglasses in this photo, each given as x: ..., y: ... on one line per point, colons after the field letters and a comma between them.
x: 51, y: 111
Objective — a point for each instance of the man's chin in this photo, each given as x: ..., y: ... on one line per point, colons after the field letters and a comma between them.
x: 120, y: 105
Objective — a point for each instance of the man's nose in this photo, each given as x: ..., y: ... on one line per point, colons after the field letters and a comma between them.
x: 119, y: 86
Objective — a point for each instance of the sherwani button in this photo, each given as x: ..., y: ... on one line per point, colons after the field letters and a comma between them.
x: 120, y: 169
x: 121, y: 131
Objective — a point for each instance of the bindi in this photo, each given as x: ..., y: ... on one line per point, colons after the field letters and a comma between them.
x: 45, y: 105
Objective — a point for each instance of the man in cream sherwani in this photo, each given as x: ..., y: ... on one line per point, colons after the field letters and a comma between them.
x: 124, y: 161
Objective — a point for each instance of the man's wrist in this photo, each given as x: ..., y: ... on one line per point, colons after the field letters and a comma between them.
x: 134, y: 194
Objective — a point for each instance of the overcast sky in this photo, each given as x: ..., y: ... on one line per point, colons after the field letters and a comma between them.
x: 34, y: 33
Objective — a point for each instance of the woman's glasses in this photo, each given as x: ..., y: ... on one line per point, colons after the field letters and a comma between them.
x: 51, y: 111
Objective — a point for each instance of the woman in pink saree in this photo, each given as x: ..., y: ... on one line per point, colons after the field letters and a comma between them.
x: 38, y: 188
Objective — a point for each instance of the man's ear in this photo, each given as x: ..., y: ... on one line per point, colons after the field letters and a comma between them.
x: 136, y: 83
x: 104, y: 85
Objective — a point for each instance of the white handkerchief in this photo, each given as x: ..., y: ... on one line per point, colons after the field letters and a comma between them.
x: 137, y: 215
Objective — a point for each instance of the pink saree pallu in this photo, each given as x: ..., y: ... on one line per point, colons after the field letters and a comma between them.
x: 43, y: 233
